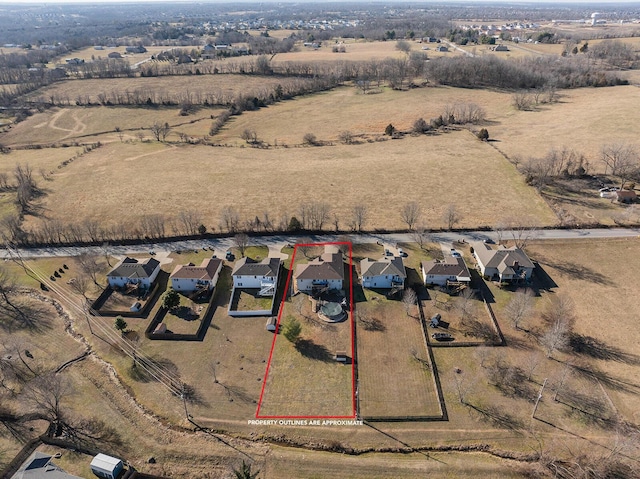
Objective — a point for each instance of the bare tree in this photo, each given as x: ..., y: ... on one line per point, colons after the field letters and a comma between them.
x: 359, y: 216
x: 622, y: 159
x: 190, y: 220
x: 346, y: 137
x: 420, y: 236
x: 562, y: 379
x: 411, y: 213
x: 314, y: 215
x: 241, y: 241
x: 7, y: 290
x: 556, y: 337
x: 90, y: 266
x: 532, y: 362
x: 250, y: 136
x: 465, y: 304
x: 409, y: 299
x: 48, y: 393
x: 451, y: 216
x: 160, y: 130
x: 520, y: 307
x: 483, y: 353
x: 230, y: 219
x: 522, y: 230
x: 26, y: 187
x: 462, y: 385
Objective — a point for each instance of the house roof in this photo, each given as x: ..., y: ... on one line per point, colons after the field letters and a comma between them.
x: 206, y: 271
x: 502, y: 257
x: 328, y: 266
x: 385, y: 266
x: 132, y: 268
x: 39, y: 465
x: 449, y: 267
x: 106, y: 463
x: 249, y: 267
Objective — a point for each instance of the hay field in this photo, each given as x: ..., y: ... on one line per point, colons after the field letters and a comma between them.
x: 99, y: 123
x: 86, y: 54
x: 119, y: 181
x: 169, y: 85
x: 327, y: 114
x: 584, y: 119
x: 606, y: 308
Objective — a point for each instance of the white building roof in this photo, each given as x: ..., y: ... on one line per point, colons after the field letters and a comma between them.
x: 104, y: 462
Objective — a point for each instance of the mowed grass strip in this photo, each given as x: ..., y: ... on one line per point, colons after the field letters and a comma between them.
x: 392, y: 382
x: 120, y: 182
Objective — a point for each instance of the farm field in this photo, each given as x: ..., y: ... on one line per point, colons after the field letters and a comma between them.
x: 113, y: 172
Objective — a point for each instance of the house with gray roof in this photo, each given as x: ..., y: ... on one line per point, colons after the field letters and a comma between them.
x: 249, y: 273
x: 40, y: 465
x: 131, y: 271
x: 443, y: 273
x: 326, y: 271
x: 503, y: 264
x: 189, y: 277
x: 384, y: 273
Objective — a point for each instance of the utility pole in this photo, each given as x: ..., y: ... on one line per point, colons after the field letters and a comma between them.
x: 535, y: 407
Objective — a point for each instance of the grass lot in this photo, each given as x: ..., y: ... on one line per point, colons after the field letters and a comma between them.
x: 393, y: 365
x: 250, y: 301
x: 187, y: 317
x: 304, y: 379
x: 122, y: 165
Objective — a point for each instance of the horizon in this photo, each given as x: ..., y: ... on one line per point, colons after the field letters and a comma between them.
x: 268, y: 2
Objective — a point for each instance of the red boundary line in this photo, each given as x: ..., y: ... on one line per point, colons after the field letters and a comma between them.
x: 275, y: 337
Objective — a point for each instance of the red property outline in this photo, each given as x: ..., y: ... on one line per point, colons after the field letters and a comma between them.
x: 275, y: 337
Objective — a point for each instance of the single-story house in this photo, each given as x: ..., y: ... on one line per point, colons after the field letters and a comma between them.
x: 625, y: 196
x: 40, y: 465
x: 502, y: 264
x: 442, y: 48
x: 384, y: 273
x: 248, y: 273
x: 136, y: 49
x: 132, y: 271
x: 501, y: 48
x: 452, y: 269
x: 114, y: 55
x: 188, y: 277
x: 326, y: 271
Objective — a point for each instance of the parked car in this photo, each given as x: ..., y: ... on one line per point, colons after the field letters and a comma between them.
x: 489, y: 241
x: 604, y: 189
x: 388, y: 253
x: 229, y: 256
x: 402, y: 253
x: 455, y: 253
x: 442, y: 337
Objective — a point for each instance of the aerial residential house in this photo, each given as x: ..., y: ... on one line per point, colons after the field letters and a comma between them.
x: 503, y: 264
x: 442, y: 48
x: 625, y: 196
x: 40, y: 465
x: 130, y: 271
x: 114, y: 55
x: 262, y: 275
x: 501, y: 48
x: 444, y: 273
x: 189, y: 278
x: 324, y: 272
x: 384, y: 273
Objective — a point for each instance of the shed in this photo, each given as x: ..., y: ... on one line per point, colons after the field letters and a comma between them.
x: 106, y: 467
x: 341, y: 356
x: 272, y: 324
x: 160, y: 328
x: 135, y: 307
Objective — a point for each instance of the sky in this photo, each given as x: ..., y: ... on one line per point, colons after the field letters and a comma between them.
x: 516, y: 2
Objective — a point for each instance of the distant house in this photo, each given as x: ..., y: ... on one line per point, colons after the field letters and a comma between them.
x: 503, y: 264
x: 40, y: 465
x: 106, y: 467
x: 248, y: 273
x: 501, y: 48
x: 188, y: 277
x: 442, y: 48
x: 114, y: 55
x: 74, y: 61
x: 442, y: 273
x: 136, y: 49
x: 327, y: 271
x: 625, y: 196
x: 132, y: 271
x: 384, y: 273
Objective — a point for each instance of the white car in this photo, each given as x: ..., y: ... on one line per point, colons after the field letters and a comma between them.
x: 455, y: 253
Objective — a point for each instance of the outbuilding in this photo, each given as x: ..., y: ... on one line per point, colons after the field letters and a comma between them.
x: 106, y: 467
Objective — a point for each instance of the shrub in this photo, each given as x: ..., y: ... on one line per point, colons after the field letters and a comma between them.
x: 483, y: 134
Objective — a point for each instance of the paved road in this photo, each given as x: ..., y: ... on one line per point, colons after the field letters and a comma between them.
x: 221, y: 245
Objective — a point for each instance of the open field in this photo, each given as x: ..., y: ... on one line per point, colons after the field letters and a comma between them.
x: 90, y: 53
x: 113, y: 172
x: 393, y: 365
x: 304, y: 379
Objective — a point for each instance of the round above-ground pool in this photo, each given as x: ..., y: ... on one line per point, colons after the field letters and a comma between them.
x: 332, y: 312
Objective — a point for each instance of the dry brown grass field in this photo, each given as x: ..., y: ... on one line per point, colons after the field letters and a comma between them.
x: 105, y: 184
x: 88, y: 54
